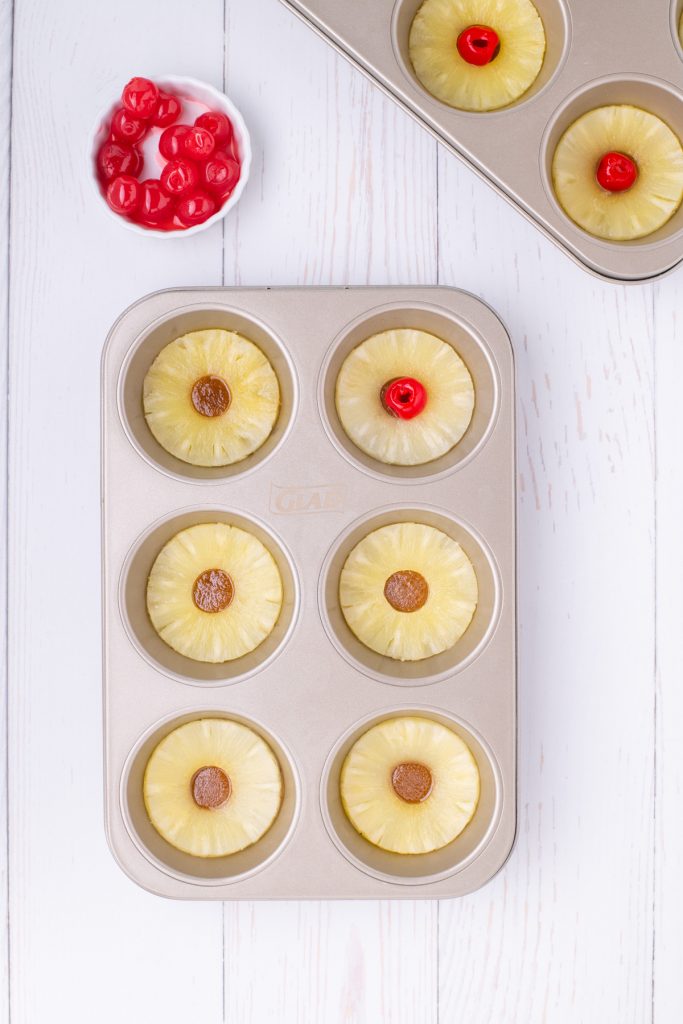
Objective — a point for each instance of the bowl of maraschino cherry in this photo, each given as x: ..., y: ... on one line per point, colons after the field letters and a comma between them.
x: 171, y: 156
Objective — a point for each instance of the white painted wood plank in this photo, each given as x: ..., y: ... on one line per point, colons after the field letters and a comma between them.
x: 565, y: 932
x: 668, y: 982
x: 86, y: 943
x: 341, y: 963
x: 343, y: 181
x: 343, y: 193
x: 5, y: 120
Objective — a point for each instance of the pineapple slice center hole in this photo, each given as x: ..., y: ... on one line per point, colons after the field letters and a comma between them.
x: 211, y: 396
x: 211, y: 787
x: 213, y: 591
x: 412, y: 782
x: 406, y: 590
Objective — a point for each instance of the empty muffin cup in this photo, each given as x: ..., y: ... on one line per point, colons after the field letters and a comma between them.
x: 465, y: 341
x: 423, y: 868
x: 133, y: 600
x: 168, y: 329
x: 556, y: 25
x: 206, y: 870
x: 430, y: 669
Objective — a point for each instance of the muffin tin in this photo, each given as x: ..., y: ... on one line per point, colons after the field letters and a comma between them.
x: 588, y: 47
x: 311, y: 688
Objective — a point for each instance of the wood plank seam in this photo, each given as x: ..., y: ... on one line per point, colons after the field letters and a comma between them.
x: 7, y: 46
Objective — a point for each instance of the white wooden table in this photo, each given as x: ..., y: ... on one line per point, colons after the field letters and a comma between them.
x: 585, y: 924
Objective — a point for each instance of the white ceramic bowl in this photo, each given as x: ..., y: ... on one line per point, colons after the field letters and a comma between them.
x: 196, y: 96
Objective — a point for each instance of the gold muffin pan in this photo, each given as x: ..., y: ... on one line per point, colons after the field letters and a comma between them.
x: 588, y: 47
x: 311, y: 688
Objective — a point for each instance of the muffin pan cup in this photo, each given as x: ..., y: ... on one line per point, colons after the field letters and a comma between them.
x: 310, y: 693
x: 588, y: 47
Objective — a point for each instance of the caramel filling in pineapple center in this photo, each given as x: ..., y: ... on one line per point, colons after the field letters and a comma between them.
x: 213, y: 591
x: 211, y: 396
x: 406, y: 591
x: 211, y: 787
x: 412, y: 782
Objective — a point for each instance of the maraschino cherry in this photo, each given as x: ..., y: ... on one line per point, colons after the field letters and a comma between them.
x: 140, y: 96
x: 171, y: 141
x: 127, y: 129
x: 220, y: 174
x: 168, y: 110
x: 404, y: 397
x: 199, y: 143
x: 479, y: 45
x: 179, y: 176
x: 123, y: 194
x: 114, y: 159
x: 216, y: 123
x: 617, y: 172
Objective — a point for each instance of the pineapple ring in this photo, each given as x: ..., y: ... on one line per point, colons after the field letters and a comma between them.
x: 242, y: 757
x: 404, y: 353
x: 211, y: 398
x: 370, y: 797
x: 443, y: 72
x: 230, y: 631
x: 434, y: 626
x: 645, y: 139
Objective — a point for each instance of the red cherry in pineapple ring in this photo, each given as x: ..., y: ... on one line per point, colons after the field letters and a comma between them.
x: 479, y: 45
x: 617, y: 172
x: 404, y: 397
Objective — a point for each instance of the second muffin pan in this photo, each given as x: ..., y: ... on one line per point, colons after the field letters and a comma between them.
x: 311, y: 688
x: 588, y: 47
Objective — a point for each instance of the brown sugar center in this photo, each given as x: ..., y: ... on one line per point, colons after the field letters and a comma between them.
x: 211, y: 787
x: 412, y: 782
x: 211, y: 396
x: 406, y: 591
x: 213, y: 591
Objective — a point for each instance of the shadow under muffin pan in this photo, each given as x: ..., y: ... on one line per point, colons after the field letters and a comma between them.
x: 311, y: 688
x: 588, y: 47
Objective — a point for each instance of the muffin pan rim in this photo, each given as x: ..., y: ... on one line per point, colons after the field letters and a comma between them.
x: 675, y: 11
